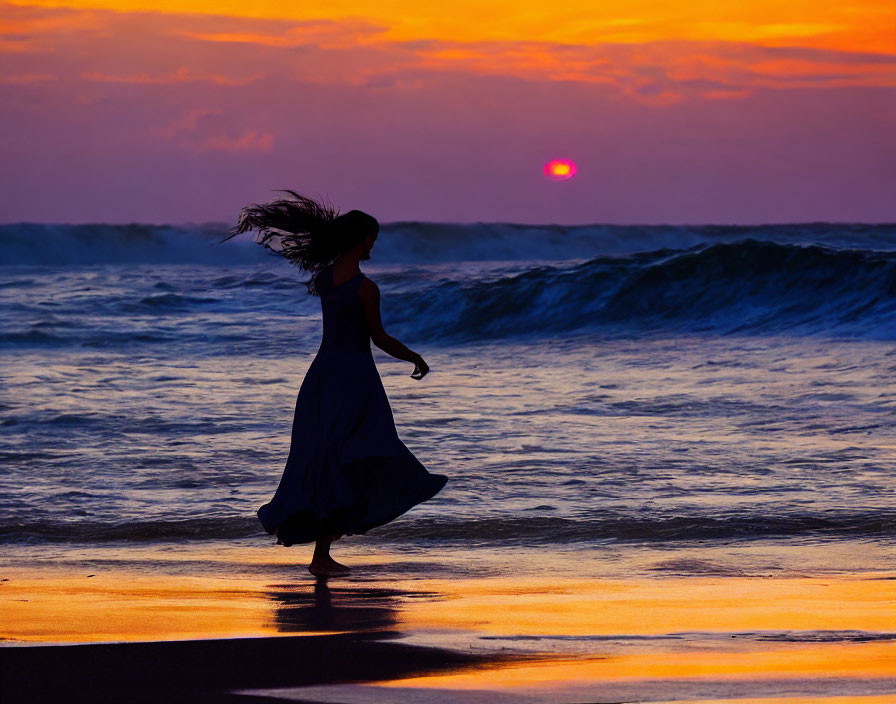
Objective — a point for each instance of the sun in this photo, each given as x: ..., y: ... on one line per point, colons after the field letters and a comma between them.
x: 560, y: 169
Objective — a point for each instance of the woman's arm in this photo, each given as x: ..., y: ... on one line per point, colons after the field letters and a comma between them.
x: 370, y: 300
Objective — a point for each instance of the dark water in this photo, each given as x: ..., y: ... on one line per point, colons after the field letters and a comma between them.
x: 590, y: 385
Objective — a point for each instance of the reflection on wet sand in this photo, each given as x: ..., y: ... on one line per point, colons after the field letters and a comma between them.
x: 339, y: 606
x: 824, y: 635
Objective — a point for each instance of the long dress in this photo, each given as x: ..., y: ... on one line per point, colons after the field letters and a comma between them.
x: 347, y: 469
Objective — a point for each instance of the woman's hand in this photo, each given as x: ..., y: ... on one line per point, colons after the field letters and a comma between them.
x: 421, y: 368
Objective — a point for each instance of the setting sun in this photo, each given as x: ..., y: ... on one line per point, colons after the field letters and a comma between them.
x: 560, y: 169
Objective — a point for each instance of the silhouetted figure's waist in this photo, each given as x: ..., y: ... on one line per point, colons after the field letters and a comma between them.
x: 341, y: 345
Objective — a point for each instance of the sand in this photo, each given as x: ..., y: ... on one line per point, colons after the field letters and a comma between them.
x: 534, y: 637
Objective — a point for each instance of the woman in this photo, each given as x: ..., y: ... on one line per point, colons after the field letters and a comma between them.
x: 347, y: 470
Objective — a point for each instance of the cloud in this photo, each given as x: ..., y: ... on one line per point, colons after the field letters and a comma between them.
x: 327, y: 34
x: 103, y: 47
x: 248, y: 142
x: 209, y: 130
x: 818, y: 23
x: 180, y: 75
x: 187, y: 123
x: 31, y: 22
x: 26, y: 78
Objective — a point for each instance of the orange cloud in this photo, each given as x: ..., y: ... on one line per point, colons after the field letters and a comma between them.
x: 325, y: 34
x: 729, y: 70
x: 28, y: 21
x: 653, y: 58
x: 831, y: 24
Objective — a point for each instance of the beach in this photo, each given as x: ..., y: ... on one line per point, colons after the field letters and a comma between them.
x: 581, y: 627
x: 670, y: 466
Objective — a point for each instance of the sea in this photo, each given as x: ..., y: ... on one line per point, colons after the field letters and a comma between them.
x: 708, y: 399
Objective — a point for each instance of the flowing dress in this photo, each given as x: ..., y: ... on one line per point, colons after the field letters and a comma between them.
x: 347, y: 469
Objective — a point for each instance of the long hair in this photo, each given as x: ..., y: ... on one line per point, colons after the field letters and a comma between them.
x: 308, y: 233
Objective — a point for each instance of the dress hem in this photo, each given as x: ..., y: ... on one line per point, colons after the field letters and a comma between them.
x: 385, y: 488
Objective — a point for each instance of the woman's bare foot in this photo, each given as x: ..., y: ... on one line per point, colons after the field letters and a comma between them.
x: 327, y: 567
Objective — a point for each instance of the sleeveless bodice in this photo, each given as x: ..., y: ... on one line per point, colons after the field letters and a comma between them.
x: 344, y: 323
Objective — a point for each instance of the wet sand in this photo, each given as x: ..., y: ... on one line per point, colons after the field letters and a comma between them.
x: 211, y: 670
x: 137, y: 636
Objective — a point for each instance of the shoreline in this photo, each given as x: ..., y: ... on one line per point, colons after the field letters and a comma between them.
x: 527, y: 636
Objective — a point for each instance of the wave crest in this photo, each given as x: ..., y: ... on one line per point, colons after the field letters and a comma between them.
x: 747, y: 286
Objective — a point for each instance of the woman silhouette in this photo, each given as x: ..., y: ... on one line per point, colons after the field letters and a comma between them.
x: 347, y: 469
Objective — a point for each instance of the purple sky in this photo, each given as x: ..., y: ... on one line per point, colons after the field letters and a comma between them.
x: 121, y: 118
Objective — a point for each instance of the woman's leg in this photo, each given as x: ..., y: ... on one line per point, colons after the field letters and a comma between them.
x: 321, y: 562
x: 322, y: 547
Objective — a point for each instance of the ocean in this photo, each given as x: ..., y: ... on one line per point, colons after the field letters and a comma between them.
x: 611, y: 389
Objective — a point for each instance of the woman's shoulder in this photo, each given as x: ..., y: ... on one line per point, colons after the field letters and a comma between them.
x: 368, y: 288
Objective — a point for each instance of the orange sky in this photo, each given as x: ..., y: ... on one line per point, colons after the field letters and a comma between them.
x: 858, y: 26
x: 656, y: 102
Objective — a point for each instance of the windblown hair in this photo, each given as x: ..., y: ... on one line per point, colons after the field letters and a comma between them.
x: 308, y: 233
